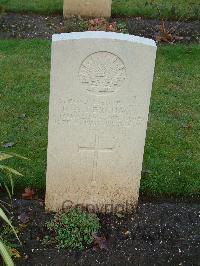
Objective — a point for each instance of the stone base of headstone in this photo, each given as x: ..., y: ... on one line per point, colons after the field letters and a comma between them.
x: 89, y: 8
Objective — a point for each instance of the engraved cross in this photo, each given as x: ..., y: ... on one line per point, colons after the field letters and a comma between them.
x: 96, y: 149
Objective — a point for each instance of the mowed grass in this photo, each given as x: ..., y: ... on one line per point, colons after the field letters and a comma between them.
x: 170, y: 9
x: 173, y: 9
x: 36, y: 6
x: 172, y: 155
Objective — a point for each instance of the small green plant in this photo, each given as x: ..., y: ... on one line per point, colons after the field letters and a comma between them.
x: 4, y: 250
x: 6, y: 181
x: 74, y: 24
x: 74, y: 229
x: 6, y: 173
x: 122, y: 27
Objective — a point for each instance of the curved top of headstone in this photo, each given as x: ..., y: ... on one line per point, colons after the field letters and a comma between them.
x: 102, y: 35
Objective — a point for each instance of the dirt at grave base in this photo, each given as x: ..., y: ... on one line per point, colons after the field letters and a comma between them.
x: 31, y: 26
x: 158, y: 234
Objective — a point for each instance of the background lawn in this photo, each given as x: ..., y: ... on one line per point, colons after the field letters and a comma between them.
x: 173, y: 139
x: 185, y: 9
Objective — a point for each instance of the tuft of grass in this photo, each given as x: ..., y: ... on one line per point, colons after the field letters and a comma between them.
x: 172, y: 9
x: 6, y: 173
x: 173, y: 140
x: 74, y: 229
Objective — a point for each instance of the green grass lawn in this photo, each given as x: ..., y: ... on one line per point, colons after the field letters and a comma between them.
x: 146, y: 8
x: 173, y: 140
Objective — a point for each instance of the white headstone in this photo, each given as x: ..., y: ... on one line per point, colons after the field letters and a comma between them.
x: 87, y: 8
x: 99, y: 102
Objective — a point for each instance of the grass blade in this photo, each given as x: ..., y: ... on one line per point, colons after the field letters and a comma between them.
x: 4, y: 156
x: 10, y: 170
x: 5, y: 255
x: 8, y: 191
x: 18, y: 156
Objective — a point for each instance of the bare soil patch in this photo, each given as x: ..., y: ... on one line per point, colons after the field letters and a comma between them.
x: 31, y: 26
x: 157, y: 234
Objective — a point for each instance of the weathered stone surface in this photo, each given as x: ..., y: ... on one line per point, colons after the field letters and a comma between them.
x: 99, y: 103
x: 87, y: 8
